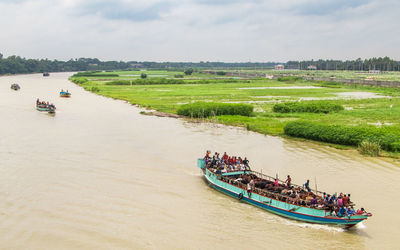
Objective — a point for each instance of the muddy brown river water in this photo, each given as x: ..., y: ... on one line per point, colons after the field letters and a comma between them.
x: 98, y: 175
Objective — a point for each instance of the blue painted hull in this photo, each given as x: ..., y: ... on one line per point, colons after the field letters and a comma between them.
x: 345, y: 221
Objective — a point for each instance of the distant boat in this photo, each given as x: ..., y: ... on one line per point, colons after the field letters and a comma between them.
x: 46, y: 74
x: 15, y: 86
x: 43, y: 107
x: 65, y: 94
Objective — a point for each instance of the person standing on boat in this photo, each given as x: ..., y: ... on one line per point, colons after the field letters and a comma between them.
x: 288, y: 181
x: 249, y: 188
x: 345, y: 200
x: 246, y: 162
x: 307, y: 185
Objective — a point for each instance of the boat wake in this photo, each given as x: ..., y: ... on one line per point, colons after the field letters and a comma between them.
x: 288, y: 222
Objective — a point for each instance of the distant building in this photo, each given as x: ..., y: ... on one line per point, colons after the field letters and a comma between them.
x: 279, y: 67
x: 312, y: 67
x: 373, y: 71
x: 136, y: 65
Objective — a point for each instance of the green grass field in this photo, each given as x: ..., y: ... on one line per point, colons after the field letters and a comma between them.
x: 339, y: 74
x: 363, y: 105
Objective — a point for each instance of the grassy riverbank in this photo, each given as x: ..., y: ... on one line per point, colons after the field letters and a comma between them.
x: 363, y: 106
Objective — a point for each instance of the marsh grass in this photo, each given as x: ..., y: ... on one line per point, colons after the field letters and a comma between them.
x: 369, y: 148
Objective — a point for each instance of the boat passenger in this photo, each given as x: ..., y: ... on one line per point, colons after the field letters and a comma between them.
x: 225, y: 156
x: 340, y: 201
x: 361, y: 211
x: 342, y: 211
x: 276, y: 183
x: 307, y: 185
x: 350, y: 211
x: 249, y: 189
x: 345, y: 200
x: 288, y: 181
x: 246, y: 162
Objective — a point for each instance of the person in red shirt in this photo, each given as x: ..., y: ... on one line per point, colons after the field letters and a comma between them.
x: 345, y: 200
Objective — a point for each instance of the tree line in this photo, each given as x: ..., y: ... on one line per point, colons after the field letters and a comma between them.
x: 17, y: 65
x: 380, y: 63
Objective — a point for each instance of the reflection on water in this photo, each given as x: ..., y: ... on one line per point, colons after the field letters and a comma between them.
x: 100, y: 175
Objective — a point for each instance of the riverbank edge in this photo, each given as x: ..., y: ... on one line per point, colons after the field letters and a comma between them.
x: 153, y: 112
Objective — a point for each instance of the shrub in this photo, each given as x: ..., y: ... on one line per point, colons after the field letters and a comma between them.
x: 307, y: 107
x: 345, y: 135
x: 289, y: 78
x: 95, y: 89
x: 188, y: 71
x: 369, y: 148
x: 178, y: 76
x: 206, y: 109
x: 78, y: 80
x: 94, y: 74
x: 143, y: 76
x: 221, y: 73
x: 149, y: 81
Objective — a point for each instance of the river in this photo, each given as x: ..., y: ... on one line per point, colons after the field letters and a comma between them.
x: 98, y: 175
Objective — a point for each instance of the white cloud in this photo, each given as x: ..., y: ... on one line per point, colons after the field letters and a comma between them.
x: 194, y: 30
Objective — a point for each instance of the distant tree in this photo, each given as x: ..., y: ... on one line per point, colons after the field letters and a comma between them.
x: 188, y: 71
x: 143, y: 76
x: 221, y: 73
x: 1, y: 56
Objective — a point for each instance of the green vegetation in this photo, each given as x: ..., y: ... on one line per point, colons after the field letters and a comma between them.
x: 188, y: 72
x: 344, y: 135
x: 143, y: 76
x: 167, y: 94
x: 307, y: 107
x: 206, y: 109
x: 369, y: 148
x: 289, y: 78
x: 144, y: 81
x: 95, y: 74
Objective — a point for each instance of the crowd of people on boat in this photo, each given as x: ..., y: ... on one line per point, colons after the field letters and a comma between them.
x: 336, y: 205
x: 43, y: 104
x: 226, y: 163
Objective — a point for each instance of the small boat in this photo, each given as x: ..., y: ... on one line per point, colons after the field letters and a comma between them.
x: 51, y: 110
x: 44, y: 107
x: 65, y: 94
x: 233, y: 183
x: 15, y: 86
x: 46, y: 74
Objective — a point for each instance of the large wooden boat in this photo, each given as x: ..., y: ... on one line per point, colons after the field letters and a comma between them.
x: 46, y: 74
x: 229, y: 183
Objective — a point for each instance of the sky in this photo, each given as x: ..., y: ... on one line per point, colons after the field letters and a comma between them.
x: 200, y: 30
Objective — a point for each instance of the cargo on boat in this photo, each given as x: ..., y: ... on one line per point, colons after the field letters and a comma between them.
x: 282, y: 198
